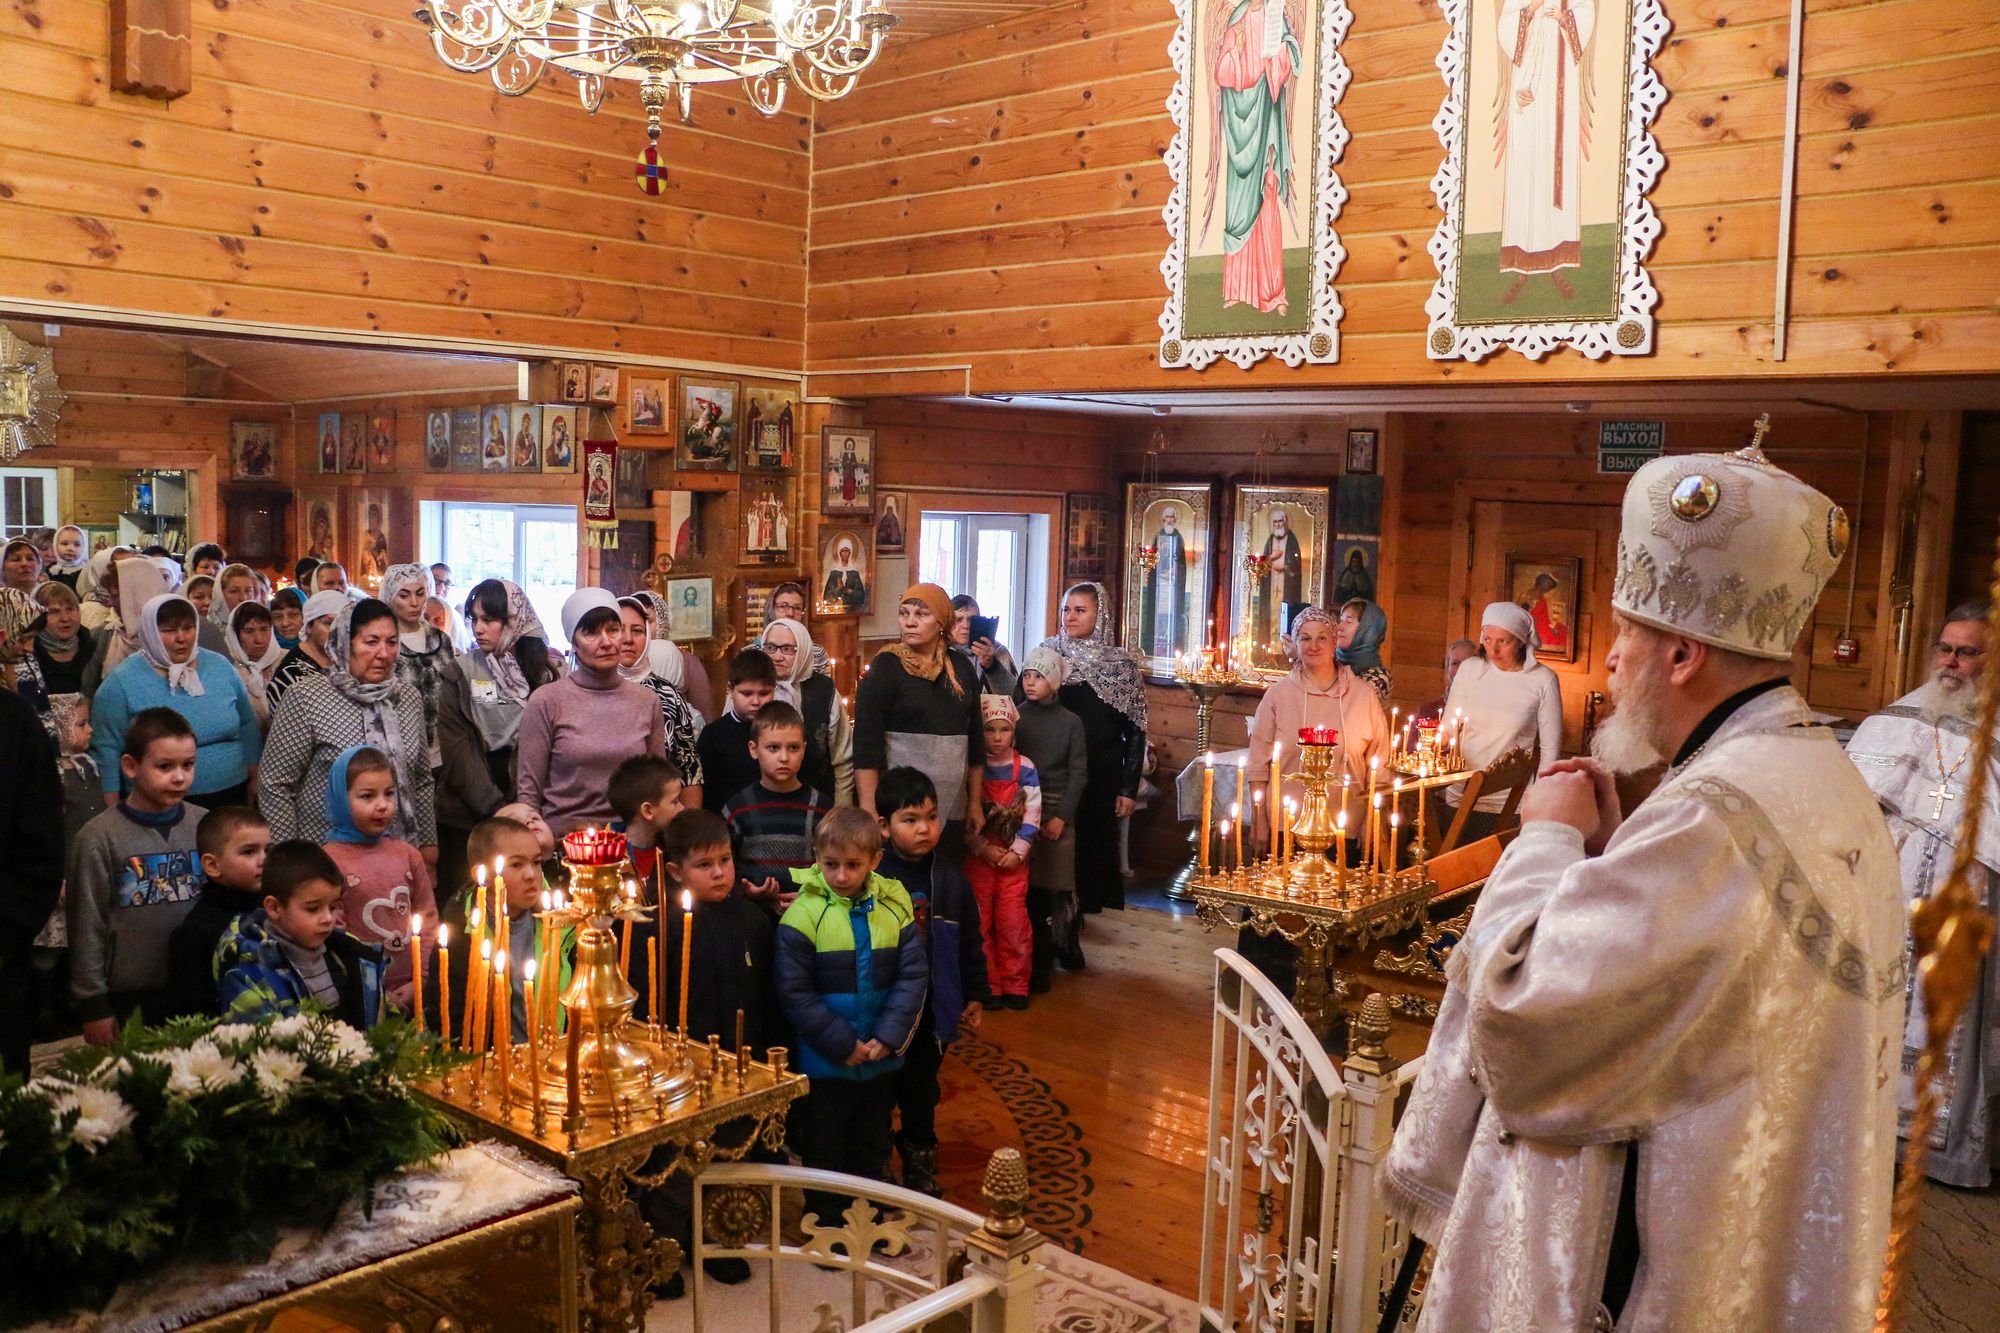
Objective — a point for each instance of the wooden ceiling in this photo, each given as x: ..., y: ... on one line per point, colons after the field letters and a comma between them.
x: 927, y: 18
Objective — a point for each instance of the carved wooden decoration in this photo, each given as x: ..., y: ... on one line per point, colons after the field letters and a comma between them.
x: 152, y: 49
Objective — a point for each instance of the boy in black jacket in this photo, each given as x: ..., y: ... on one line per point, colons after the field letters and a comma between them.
x: 948, y: 916
x: 724, y: 744
x: 232, y: 842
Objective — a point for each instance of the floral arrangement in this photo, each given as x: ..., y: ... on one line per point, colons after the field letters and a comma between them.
x: 199, y: 1139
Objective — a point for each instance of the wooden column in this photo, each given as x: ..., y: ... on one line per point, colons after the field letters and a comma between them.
x: 1916, y: 549
x: 152, y: 48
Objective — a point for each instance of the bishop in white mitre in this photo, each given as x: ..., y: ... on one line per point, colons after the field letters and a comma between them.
x: 1913, y: 755
x: 1660, y: 1094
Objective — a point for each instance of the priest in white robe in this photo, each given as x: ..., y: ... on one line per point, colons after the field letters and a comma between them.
x: 1913, y: 755
x: 1660, y: 1094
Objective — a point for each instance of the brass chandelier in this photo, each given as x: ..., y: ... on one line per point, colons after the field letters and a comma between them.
x: 666, y: 48
x: 29, y: 398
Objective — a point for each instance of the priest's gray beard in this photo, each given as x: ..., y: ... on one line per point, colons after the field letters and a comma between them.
x: 1626, y: 743
x: 1946, y: 695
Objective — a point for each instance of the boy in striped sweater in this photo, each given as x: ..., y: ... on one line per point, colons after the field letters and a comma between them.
x: 771, y: 821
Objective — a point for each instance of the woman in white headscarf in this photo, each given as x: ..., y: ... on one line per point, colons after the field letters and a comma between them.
x: 134, y: 582
x: 829, y: 766
x: 255, y: 651
x: 97, y: 589
x: 640, y: 661
x: 673, y: 663
x: 170, y: 670
x: 359, y: 701
x: 1507, y: 701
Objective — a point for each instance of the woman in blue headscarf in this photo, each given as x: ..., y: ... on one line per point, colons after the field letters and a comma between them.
x: 1363, y: 627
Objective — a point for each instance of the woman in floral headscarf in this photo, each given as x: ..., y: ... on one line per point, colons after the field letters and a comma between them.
x: 1104, y: 690
x: 359, y: 701
x: 481, y: 695
x: 423, y: 653
x: 20, y: 620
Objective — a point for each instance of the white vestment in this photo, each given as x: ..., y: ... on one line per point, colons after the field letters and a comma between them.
x: 1897, y: 751
x: 1542, y: 144
x: 1722, y: 990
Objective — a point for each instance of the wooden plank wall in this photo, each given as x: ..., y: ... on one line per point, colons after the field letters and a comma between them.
x: 134, y: 402
x: 327, y: 171
x: 987, y: 205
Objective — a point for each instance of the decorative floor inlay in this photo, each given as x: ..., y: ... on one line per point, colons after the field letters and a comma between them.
x: 1051, y: 1140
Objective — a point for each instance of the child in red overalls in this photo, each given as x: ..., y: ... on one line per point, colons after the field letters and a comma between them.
x: 1011, y: 798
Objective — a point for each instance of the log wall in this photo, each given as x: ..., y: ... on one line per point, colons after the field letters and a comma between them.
x: 328, y: 172
x: 986, y: 208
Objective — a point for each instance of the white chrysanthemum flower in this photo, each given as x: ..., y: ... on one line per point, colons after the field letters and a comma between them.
x: 201, y: 1068
x: 291, y: 1026
x: 101, y: 1115
x: 342, y: 1046
x: 233, y: 1033
x: 277, y: 1072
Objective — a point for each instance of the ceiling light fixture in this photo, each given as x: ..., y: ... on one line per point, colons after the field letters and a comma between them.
x: 667, y: 49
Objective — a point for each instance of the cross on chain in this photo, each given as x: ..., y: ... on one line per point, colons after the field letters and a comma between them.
x: 1939, y: 795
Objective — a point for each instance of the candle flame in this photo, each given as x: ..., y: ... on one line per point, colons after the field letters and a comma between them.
x: 1340, y: 821
x: 528, y: 969
x: 479, y: 876
x: 486, y: 949
x: 1235, y: 810
x: 444, y: 937
x: 687, y: 900
x: 1208, y: 760
x: 499, y: 865
x: 416, y: 923
x: 500, y: 961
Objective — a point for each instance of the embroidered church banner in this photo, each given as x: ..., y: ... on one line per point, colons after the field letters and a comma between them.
x: 1548, y: 159
x: 1252, y: 252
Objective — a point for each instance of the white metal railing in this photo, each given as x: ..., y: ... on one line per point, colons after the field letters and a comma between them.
x: 1293, y: 1232
x: 980, y: 1273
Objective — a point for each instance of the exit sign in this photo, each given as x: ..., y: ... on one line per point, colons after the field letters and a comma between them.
x: 1623, y: 447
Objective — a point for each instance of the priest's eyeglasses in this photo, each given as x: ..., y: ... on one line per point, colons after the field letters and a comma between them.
x: 1961, y: 653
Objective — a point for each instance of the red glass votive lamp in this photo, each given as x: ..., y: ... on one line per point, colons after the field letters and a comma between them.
x: 1318, y: 736
x: 594, y: 847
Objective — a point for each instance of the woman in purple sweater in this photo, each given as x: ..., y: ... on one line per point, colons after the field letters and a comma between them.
x: 575, y: 732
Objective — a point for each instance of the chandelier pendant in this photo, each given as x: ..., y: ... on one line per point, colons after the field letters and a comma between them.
x: 668, y: 49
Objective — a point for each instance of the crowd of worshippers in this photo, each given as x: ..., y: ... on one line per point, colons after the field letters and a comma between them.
x: 269, y: 822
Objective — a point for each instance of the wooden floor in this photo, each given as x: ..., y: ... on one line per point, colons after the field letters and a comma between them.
x: 1123, y: 1047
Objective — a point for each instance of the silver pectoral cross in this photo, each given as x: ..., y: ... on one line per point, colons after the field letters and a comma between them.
x: 1939, y: 795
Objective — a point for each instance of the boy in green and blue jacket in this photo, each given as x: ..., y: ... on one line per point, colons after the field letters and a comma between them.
x: 852, y: 975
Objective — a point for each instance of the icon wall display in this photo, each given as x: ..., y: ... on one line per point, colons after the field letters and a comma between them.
x: 1547, y: 588
x: 253, y: 450
x: 770, y: 427
x: 353, y: 442
x: 437, y: 441
x: 604, y: 385
x: 847, y: 472
x: 495, y: 422
x: 319, y: 523
x: 892, y: 522
x: 328, y: 439
x: 691, y: 608
x: 1277, y: 566
x: 562, y: 435
x: 1548, y: 159
x: 845, y: 575
x: 770, y: 520
x: 465, y: 439
x: 524, y: 439
x: 1252, y: 250
x: 373, y: 538
x: 706, y: 425
x: 573, y: 381
x: 647, y: 401
x: 382, y: 442
x: 1088, y: 530
x: 1169, y: 558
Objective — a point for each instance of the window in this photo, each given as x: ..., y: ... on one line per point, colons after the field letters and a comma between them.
x: 534, y: 545
x: 27, y: 500
x: 1001, y: 559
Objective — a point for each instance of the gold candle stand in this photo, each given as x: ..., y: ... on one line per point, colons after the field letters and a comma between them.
x: 647, y: 1103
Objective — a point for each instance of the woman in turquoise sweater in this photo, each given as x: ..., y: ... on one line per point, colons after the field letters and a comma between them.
x: 171, y: 672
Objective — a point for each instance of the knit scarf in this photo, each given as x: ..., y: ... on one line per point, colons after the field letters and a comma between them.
x: 930, y: 667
